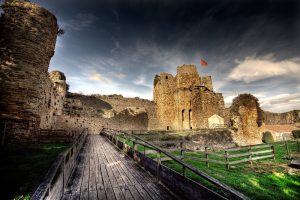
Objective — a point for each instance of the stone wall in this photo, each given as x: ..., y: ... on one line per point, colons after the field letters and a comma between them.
x: 27, y: 40
x: 185, y: 101
x: 246, y: 119
x: 290, y: 117
x: 97, y: 111
x: 218, y: 138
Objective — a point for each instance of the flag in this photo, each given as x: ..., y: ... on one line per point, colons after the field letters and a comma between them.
x: 203, y: 63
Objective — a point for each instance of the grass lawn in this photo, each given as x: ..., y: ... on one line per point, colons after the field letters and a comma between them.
x: 264, y: 179
x: 22, y: 168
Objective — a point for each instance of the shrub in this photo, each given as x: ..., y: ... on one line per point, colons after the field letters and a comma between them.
x: 296, y: 133
x: 267, y: 137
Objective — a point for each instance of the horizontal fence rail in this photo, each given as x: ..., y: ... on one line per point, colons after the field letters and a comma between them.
x: 174, y: 180
x: 55, y: 181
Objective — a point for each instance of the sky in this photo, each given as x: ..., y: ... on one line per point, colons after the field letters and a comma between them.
x: 118, y: 46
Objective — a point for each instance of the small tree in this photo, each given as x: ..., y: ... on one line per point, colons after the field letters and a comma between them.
x: 267, y: 137
x: 60, y: 32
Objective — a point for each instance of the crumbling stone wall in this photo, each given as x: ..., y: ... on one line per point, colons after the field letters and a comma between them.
x: 290, y: 117
x: 27, y: 40
x: 96, y: 111
x: 185, y: 101
x: 246, y: 118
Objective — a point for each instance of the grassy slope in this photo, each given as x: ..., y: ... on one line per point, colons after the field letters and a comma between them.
x: 23, y: 167
x: 265, y: 179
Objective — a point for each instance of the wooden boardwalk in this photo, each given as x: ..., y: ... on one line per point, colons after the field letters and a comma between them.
x: 103, y: 172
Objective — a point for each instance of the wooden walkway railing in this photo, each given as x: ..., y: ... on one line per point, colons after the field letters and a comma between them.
x: 184, y: 186
x: 55, y: 181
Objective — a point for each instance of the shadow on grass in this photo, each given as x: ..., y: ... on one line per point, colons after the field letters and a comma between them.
x: 23, y: 167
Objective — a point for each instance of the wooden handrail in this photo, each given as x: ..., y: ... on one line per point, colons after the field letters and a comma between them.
x: 232, y: 192
x: 62, y: 167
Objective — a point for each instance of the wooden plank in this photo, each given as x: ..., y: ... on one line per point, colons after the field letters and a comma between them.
x: 84, y: 195
x: 149, y: 151
x: 107, y: 185
x: 66, y: 196
x: 85, y: 179
x: 123, y: 187
x: 205, y: 160
x: 75, y: 196
x: 153, y: 189
x: 143, y: 179
x: 261, y: 152
x: 249, y: 147
x: 239, y: 155
x: 74, y: 183
x: 141, y: 188
x: 167, y: 158
x: 130, y: 183
x: 92, y: 178
x: 240, y: 161
x: 253, y: 158
x: 137, y: 178
x: 262, y: 157
x: 93, y: 194
x: 115, y: 178
x: 210, y: 153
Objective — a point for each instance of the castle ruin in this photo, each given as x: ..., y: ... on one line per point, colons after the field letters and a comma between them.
x: 32, y: 99
x: 186, y: 101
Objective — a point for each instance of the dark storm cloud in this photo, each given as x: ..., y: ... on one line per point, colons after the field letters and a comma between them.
x: 118, y: 46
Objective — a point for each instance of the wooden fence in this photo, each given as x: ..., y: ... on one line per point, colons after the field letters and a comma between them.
x: 55, y: 181
x: 175, y: 181
x: 230, y: 156
x: 54, y: 135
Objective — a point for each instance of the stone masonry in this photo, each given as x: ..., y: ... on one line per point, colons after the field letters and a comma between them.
x: 27, y: 40
x: 185, y: 101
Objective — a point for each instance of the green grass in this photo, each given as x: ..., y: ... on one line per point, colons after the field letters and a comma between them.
x: 264, y: 179
x: 23, y: 168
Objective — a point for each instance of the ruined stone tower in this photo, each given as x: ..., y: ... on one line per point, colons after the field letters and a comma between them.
x: 28, y: 35
x: 185, y: 101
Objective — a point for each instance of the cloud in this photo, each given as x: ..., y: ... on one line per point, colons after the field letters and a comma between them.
x: 99, y: 78
x: 79, y: 22
x: 252, y: 69
x: 120, y: 75
x: 141, y: 80
x: 281, y: 102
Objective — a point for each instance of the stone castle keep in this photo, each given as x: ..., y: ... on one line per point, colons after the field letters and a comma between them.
x: 186, y: 101
x: 32, y: 99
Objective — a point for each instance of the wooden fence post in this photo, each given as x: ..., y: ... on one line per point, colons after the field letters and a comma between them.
x: 226, y: 158
x: 273, y: 151
x: 298, y: 145
x: 62, y: 167
x: 134, y: 147
x: 182, y: 157
x: 206, y: 157
x: 250, y: 155
x: 158, y: 165
x: 287, y: 149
